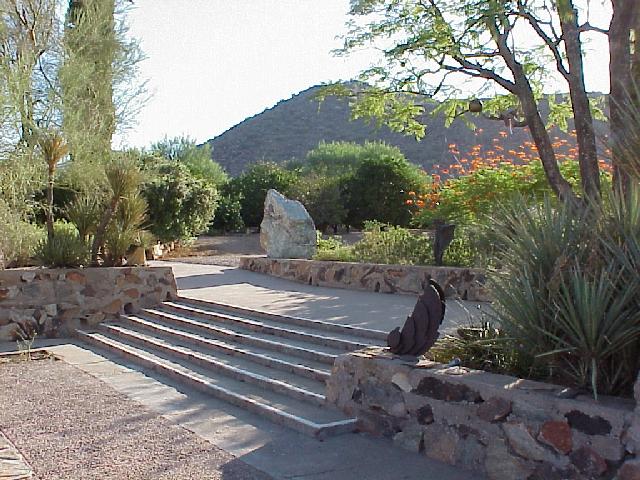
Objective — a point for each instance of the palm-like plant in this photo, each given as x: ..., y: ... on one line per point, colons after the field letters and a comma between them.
x: 54, y: 148
x: 124, y: 178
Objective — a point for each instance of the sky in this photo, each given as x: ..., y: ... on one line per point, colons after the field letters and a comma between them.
x: 212, y: 63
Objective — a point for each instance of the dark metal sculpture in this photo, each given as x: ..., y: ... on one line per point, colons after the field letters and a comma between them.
x: 420, y: 330
x: 443, y: 237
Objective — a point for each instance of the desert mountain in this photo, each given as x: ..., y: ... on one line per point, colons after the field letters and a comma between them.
x: 294, y: 126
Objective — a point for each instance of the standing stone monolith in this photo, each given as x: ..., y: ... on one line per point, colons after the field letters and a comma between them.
x: 287, y: 230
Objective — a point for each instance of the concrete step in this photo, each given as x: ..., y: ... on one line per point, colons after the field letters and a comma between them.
x: 341, y: 341
x: 365, y: 333
x: 318, y: 353
x: 235, y: 367
x: 302, y: 416
x: 281, y: 361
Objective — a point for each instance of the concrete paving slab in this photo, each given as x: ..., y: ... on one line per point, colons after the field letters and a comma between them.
x: 378, y: 311
x: 280, y: 452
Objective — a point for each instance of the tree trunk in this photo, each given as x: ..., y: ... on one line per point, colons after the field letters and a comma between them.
x: 624, y: 19
x: 49, y: 215
x: 583, y: 120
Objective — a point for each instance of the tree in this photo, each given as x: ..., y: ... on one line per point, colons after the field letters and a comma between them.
x: 99, y: 92
x: 181, y: 205
x: 29, y: 41
x: 196, y: 158
x: 380, y: 186
x: 251, y: 188
x: 430, y: 46
x: 322, y: 196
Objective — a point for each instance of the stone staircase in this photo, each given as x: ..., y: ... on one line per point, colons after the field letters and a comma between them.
x: 272, y: 365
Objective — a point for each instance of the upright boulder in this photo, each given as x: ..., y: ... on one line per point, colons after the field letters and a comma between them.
x: 287, y: 230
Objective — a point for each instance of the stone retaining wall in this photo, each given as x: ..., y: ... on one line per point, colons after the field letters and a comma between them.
x: 465, y: 283
x: 499, y: 426
x: 55, y: 302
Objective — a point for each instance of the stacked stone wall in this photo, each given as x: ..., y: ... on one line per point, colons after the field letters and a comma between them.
x: 496, y: 425
x: 464, y: 283
x: 55, y: 302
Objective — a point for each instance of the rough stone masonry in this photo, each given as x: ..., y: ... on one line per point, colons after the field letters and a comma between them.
x: 503, y: 427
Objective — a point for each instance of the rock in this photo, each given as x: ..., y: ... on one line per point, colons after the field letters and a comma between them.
x: 589, y: 462
x: 470, y: 454
x: 425, y: 415
x: 440, y: 443
x: 287, y: 230
x: 28, y: 277
x: 401, y: 380
x: 557, y: 434
x: 501, y: 465
x: 449, y: 392
x: 76, y: 277
x: 40, y: 316
x: 51, y: 309
x: 526, y: 446
x: 630, y: 470
x: 11, y: 332
x: 495, y: 409
x: 409, y: 439
x: 584, y: 423
x: 7, y: 293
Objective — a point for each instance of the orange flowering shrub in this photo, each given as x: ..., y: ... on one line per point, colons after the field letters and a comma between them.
x: 482, y: 177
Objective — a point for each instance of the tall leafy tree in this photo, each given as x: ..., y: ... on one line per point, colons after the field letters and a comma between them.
x: 505, y: 49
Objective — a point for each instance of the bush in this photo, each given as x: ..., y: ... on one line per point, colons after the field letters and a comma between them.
x: 65, y: 249
x: 228, y: 217
x: 180, y: 205
x: 379, y: 188
x: 19, y: 239
x: 251, y: 187
x: 323, y: 199
x: 125, y: 228
x: 392, y: 245
x: 568, y: 291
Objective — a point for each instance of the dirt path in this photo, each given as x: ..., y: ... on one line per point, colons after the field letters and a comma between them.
x: 69, y: 425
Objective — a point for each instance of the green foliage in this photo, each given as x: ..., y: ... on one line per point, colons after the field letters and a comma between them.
x: 65, y: 249
x: 196, y: 158
x: 483, y: 347
x: 228, y: 217
x: 469, y: 198
x: 338, y: 158
x: 124, y: 228
x: 18, y: 238
x: 180, y: 204
x: 379, y: 187
x: 393, y: 245
x: 252, y: 186
x: 567, y: 290
x: 84, y: 212
x: 323, y: 198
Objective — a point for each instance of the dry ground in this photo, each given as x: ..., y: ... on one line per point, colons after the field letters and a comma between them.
x: 69, y: 425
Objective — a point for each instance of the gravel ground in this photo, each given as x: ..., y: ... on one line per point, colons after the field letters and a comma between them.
x: 69, y: 425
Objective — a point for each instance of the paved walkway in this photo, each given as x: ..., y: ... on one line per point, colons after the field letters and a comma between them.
x: 379, y: 311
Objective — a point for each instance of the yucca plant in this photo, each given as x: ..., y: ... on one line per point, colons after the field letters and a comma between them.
x: 54, y: 148
x: 125, y: 228
x: 124, y: 178
x: 568, y: 291
x: 84, y: 212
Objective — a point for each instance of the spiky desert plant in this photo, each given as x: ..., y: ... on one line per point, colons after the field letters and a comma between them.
x: 54, y: 148
x: 124, y: 178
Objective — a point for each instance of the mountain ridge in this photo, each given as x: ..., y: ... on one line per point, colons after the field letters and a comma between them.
x: 292, y: 127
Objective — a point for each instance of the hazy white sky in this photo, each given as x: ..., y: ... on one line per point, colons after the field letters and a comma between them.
x: 212, y: 63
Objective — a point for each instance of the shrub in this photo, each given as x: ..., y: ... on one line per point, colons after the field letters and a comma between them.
x: 125, y: 228
x: 392, y: 245
x: 567, y: 290
x: 19, y: 239
x: 180, y: 205
x: 228, y: 217
x: 323, y: 199
x: 379, y: 188
x: 65, y: 249
x: 84, y: 212
x: 252, y: 186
